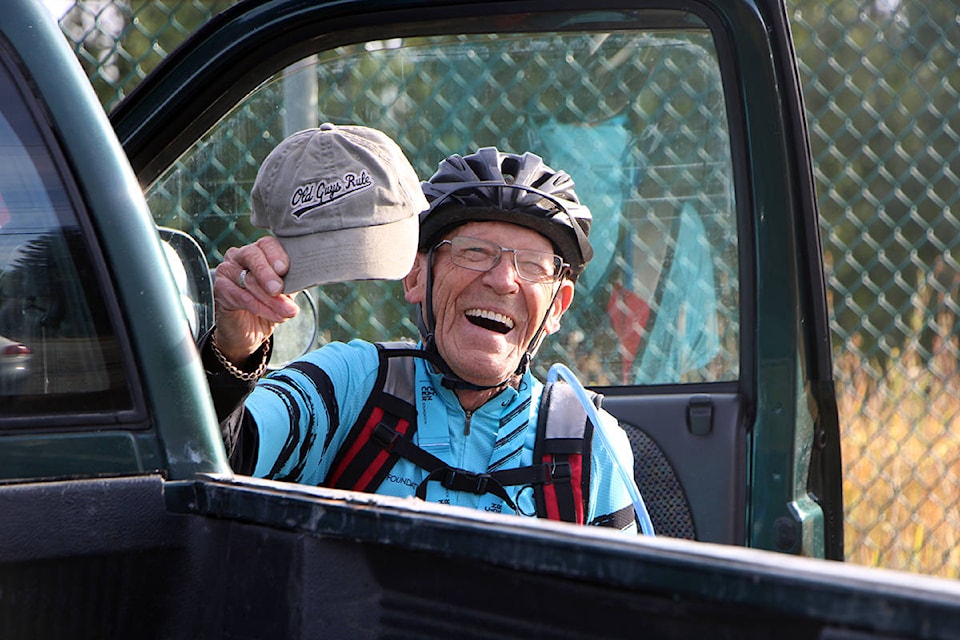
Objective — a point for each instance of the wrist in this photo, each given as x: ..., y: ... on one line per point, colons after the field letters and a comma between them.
x: 248, y: 368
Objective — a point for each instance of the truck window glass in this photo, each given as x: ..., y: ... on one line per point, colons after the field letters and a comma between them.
x: 58, y: 352
x: 637, y: 117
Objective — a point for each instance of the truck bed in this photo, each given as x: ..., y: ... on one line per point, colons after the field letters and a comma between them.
x: 232, y: 557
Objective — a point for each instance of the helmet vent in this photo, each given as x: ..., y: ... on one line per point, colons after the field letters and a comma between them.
x: 509, y: 168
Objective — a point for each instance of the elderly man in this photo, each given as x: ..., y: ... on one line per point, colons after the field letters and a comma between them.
x: 457, y: 418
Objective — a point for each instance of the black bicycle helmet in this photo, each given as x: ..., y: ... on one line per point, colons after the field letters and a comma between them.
x: 521, y: 189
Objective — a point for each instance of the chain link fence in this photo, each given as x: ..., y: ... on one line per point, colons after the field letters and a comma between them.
x: 882, y: 88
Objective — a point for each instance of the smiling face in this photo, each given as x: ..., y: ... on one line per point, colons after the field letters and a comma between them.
x: 485, y: 320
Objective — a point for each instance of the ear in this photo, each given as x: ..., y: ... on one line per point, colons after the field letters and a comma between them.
x: 415, y: 282
x: 560, y: 305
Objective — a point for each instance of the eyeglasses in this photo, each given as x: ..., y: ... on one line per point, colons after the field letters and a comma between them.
x: 482, y: 255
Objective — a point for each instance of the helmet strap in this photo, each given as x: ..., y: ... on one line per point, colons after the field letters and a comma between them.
x: 534, y: 345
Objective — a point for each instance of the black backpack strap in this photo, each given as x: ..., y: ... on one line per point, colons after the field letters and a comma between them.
x: 564, y: 437
x: 389, y: 415
x: 453, y: 478
x: 560, y: 474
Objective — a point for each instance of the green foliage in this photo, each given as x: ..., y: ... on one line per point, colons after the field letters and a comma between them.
x: 120, y: 41
x: 881, y: 84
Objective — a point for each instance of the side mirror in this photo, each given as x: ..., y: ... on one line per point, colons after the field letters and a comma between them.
x: 192, y: 275
x: 296, y: 336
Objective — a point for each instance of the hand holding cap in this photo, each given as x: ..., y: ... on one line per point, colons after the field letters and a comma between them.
x: 344, y: 203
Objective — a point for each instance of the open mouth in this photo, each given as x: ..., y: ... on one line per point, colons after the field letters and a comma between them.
x: 490, y: 320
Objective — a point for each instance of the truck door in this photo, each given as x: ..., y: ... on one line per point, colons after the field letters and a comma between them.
x: 701, y: 319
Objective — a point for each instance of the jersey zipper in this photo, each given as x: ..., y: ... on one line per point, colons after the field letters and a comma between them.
x: 466, y: 422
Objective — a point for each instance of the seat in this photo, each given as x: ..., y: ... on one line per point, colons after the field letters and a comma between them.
x: 662, y: 493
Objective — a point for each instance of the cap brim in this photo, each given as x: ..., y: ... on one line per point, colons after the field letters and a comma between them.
x: 383, y: 252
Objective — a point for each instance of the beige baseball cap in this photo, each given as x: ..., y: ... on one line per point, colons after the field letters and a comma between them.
x: 343, y: 200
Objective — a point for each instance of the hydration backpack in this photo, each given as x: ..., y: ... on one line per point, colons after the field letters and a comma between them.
x: 383, y: 433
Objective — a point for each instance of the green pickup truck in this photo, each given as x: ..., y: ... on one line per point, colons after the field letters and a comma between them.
x: 702, y: 321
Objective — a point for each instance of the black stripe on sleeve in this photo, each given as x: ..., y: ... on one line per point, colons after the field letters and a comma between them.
x: 323, y: 388
x: 293, y: 430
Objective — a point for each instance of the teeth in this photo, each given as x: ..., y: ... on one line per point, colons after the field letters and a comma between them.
x: 492, y: 316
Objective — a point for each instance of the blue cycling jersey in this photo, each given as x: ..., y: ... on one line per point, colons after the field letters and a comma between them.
x: 302, y: 420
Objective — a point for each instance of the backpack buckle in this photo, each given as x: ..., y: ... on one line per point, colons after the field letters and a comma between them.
x: 385, y: 436
x: 466, y: 481
x: 559, y: 472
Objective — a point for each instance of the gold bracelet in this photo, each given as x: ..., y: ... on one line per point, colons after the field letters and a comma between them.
x: 234, y: 370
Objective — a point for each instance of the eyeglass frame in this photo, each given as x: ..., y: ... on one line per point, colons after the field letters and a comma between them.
x: 561, y: 269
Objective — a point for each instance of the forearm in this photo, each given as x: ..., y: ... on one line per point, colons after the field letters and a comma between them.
x: 228, y: 390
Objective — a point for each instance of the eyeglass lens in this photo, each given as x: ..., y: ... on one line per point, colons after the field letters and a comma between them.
x: 483, y: 255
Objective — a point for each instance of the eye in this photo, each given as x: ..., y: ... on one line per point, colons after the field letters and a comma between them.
x: 473, y: 251
x: 536, y: 264
x: 534, y: 268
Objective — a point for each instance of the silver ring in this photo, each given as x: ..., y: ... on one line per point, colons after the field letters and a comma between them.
x: 242, y: 280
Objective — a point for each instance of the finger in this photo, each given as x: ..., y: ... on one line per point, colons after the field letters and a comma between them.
x: 260, y: 260
x: 275, y: 254
x: 251, y: 298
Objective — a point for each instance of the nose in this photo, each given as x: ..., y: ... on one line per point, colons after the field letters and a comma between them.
x: 503, y: 276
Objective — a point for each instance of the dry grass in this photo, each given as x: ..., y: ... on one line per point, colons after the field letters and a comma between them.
x: 901, y: 457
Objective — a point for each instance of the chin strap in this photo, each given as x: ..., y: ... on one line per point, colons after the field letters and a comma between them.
x: 527, y: 358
